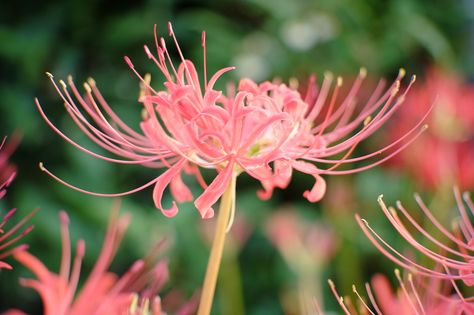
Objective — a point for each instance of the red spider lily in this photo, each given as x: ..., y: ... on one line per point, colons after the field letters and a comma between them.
x: 103, y: 292
x: 449, y: 142
x: 457, y: 261
x: 266, y: 130
x: 425, y: 296
x: 10, y: 235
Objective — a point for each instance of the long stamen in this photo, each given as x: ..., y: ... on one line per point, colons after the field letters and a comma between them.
x: 132, y: 67
x: 44, y: 169
x: 372, y: 299
x: 404, y: 290
x: 415, y: 293
x: 75, y: 273
x: 171, y: 33
x: 354, y: 289
x: 203, y: 43
x: 339, y: 298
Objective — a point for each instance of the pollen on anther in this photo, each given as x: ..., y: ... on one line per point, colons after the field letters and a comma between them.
x: 367, y: 120
x: 63, y: 84
x: 339, y: 81
x: 91, y: 81
x: 87, y: 87
x: 401, y: 72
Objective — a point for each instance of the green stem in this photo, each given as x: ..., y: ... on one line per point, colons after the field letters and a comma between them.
x: 215, y: 257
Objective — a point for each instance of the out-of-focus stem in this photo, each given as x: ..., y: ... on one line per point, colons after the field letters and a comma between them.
x: 215, y: 257
x: 308, y: 291
x: 230, y: 284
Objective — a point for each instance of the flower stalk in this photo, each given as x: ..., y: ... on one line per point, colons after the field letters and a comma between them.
x: 210, y: 280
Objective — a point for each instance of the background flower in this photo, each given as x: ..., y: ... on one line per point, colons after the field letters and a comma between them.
x: 412, y: 296
x: 103, y: 292
x: 10, y: 233
x: 443, y: 156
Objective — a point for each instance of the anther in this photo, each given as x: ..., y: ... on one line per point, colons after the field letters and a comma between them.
x: 401, y: 73
x: 87, y: 87
x: 63, y: 84
x: 129, y: 62
x: 339, y: 81
x: 147, y: 52
x: 91, y: 81
x: 367, y: 120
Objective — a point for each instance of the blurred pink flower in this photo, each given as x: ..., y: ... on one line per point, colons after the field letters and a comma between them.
x: 437, y: 246
x: 9, y: 236
x: 423, y: 296
x: 449, y: 141
x: 266, y: 130
x: 7, y: 170
x: 103, y: 292
x: 302, y: 243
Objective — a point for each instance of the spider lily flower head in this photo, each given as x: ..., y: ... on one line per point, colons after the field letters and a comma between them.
x: 103, y: 292
x: 10, y: 234
x: 414, y: 296
x: 266, y: 130
x: 449, y: 142
x: 452, y: 250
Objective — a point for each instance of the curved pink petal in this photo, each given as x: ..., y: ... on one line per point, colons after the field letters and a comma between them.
x: 319, y: 188
x: 214, y: 191
x: 161, y: 184
x: 179, y: 190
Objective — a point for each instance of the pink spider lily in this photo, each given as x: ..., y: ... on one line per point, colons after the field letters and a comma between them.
x: 9, y: 236
x: 421, y: 297
x: 103, y: 292
x: 266, y: 130
x: 451, y: 250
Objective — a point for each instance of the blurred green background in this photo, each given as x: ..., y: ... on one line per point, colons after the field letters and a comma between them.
x: 263, y: 39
